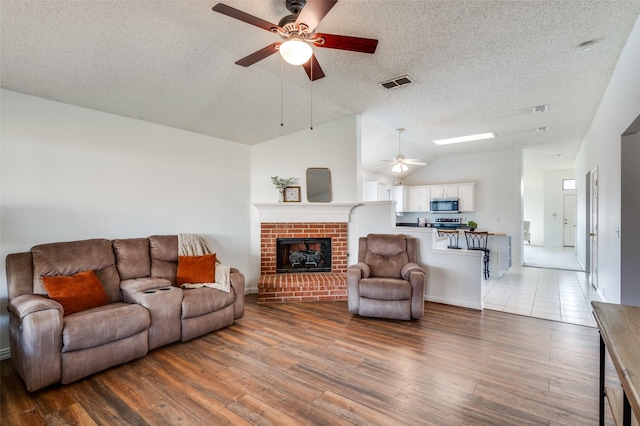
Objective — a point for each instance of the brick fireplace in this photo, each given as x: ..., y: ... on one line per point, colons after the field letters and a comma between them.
x: 302, y: 222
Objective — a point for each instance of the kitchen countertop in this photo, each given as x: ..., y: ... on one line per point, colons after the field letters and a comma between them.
x: 461, y: 229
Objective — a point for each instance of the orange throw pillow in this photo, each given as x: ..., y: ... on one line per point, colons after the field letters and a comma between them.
x: 76, y: 292
x: 196, y: 269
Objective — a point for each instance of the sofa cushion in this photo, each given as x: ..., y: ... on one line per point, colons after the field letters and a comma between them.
x: 196, y: 269
x: 132, y: 258
x: 102, y: 325
x: 164, y: 256
x: 200, y: 301
x: 72, y: 257
x: 385, y: 289
x: 76, y: 292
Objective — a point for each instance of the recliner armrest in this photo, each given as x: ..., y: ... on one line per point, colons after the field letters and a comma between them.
x: 27, y: 304
x: 130, y: 287
x: 408, y: 269
x: 363, y: 267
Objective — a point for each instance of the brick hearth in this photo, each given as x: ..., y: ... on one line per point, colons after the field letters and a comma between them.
x: 302, y: 287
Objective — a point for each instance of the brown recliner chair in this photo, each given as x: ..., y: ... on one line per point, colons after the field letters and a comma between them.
x: 386, y: 282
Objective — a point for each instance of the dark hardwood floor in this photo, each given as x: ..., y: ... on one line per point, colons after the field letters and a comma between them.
x: 314, y: 363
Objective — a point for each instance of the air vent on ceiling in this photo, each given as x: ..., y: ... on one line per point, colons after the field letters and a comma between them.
x: 396, y: 82
x: 542, y: 129
x: 541, y: 108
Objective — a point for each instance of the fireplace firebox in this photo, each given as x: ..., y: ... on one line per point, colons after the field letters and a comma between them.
x: 303, y: 255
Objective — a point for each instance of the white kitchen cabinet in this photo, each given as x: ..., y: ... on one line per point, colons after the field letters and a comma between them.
x: 499, y: 254
x: 418, y: 199
x: 466, y: 197
x: 399, y: 194
x: 444, y: 191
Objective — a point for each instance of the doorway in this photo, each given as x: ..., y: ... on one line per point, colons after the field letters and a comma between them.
x: 569, y: 220
x: 593, y: 233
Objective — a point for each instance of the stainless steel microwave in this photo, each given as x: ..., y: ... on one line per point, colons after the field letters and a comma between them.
x: 444, y: 205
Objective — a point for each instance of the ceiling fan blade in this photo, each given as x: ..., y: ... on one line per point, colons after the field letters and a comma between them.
x: 259, y: 55
x: 313, y: 12
x: 317, y: 70
x: 415, y: 162
x: 355, y: 44
x: 245, y: 17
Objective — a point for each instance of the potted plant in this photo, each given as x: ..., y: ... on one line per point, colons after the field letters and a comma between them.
x: 472, y: 225
x: 281, y: 184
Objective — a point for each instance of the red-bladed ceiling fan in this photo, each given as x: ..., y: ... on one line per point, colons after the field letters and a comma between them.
x: 297, y: 29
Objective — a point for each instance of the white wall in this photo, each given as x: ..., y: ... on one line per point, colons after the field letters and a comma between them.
x: 601, y: 148
x: 498, y: 189
x: 554, y: 206
x: 72, y: 173
x: 534, y: 213
x: 333, y: 145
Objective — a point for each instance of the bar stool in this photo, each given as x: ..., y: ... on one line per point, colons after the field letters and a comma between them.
x: 452, y: 237
x: 477, y: 240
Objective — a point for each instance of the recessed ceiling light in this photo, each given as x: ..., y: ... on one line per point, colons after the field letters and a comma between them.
x: 478, y: 137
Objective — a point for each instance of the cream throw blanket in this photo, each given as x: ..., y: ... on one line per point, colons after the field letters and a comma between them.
x: 195, y: 245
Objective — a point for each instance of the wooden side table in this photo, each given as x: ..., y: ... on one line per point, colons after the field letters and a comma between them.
x: 620, y: 335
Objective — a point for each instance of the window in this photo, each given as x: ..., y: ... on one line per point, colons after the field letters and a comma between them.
x: 568, y: 184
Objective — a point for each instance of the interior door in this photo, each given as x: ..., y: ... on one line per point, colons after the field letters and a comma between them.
x: 569, y: 216
x: 594, y: 228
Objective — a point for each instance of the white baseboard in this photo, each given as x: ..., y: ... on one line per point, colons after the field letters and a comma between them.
x: 453, y: 302
x: 5, y: 353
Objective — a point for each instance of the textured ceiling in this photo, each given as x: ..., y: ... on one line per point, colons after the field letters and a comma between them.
x: 477, y: 66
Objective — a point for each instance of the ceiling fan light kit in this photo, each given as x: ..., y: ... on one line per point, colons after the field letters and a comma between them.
x: 295, y: 51
x: 297, y: 30
x: 399, y: 168
x: 400, y: 162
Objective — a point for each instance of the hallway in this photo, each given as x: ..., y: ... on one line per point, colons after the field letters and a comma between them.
x: 553, y: 294
x: 554, y: 258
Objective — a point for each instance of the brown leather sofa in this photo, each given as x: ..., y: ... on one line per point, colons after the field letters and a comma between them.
x: 386, y: 282
x: 144, y: 308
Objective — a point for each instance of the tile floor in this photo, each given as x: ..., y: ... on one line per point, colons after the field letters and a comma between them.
x: 554, y: 294
x: 555, y: 257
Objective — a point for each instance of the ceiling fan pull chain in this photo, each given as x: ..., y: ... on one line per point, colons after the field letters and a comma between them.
x: 281, y: 93
x: 311, y: 92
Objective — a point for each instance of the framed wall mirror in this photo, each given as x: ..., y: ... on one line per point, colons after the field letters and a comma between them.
x: 318, y: 185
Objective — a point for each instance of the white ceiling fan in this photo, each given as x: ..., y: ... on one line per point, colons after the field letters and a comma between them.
x: 400, y: 163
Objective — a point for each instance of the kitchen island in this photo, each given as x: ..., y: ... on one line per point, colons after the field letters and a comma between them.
x: 498, y: 243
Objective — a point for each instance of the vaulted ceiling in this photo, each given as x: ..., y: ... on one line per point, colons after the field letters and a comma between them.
x: 477, y: 66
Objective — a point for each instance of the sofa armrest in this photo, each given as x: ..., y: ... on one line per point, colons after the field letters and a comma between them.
x: 237, y: 283
x: 27, y: 304
x: 354, y: 274
x: 409, y: 268
x: 416, y: 277
x: 363, y: 267
x: 35, y: 337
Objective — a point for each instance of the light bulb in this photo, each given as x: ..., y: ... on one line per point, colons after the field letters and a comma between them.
x: 296, y: 51
x: 399, y: 168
